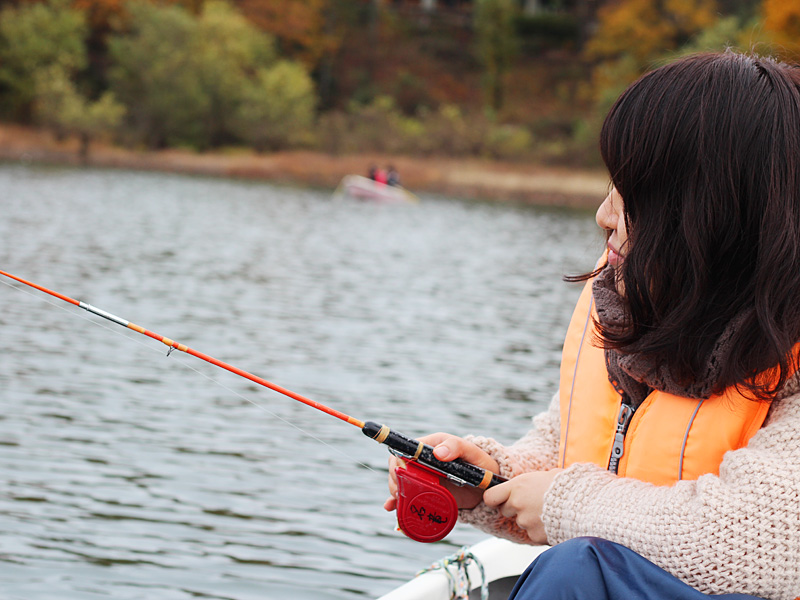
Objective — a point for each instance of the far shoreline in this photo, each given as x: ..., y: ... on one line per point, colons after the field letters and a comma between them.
x: 470, y: 178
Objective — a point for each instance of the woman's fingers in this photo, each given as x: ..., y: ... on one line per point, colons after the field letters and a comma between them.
x: 522, y: 499
x: 497, y: 495
x: 452, y: 447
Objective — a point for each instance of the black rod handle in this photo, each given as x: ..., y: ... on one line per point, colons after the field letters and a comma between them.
x: 458, y: 470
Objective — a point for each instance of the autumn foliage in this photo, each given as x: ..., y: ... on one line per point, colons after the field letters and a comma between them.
x: 471, y: 77
x: 782, y: 20
x: 645, y: 29
x: 300, y: 26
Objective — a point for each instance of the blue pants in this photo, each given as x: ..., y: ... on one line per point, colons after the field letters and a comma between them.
x: 596, y: 569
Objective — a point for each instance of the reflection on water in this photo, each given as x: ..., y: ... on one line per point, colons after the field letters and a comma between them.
x: 127, y: 474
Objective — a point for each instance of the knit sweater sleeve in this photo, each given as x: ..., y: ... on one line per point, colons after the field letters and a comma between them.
x: 735, y: 532
x: 536, y: 451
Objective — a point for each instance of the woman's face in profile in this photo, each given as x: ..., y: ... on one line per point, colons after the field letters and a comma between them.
x: 611, y: 217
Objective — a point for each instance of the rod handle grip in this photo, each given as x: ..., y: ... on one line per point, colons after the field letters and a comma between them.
x: 457, y: 470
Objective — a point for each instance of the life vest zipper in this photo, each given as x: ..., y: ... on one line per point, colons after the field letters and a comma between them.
x: 617, y: 450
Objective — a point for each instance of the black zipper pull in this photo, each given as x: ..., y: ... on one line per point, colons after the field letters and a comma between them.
x: 623, y: 420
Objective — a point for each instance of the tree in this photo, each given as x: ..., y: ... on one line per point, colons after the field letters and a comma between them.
x: 60, y: 106
x: 153, y: 74
x: 227, y: 50
x: 782, y: 20
x: 728, y: 32
x: 633, y: 34
x: 186, y: 78
x: 278, y: 106
x: 495, y: 44
x: 180, y: 75
x: 645, y: 29
x: 301, y: 27
x: 100, y: 13
x: 35, y: 37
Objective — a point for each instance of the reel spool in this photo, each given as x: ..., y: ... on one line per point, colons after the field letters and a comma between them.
x: 426, y: 510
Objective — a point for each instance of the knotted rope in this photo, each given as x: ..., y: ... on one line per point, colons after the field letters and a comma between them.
x: 460, y: 583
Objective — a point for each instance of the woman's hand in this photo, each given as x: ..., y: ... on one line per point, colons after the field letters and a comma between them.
x: 522, y: 499
x: 448, y: 447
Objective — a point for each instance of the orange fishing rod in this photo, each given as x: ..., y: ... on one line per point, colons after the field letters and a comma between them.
x: 426, y: 511
x: 183, y: 348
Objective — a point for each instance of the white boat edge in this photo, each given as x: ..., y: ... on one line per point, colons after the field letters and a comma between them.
x: 500, y: 559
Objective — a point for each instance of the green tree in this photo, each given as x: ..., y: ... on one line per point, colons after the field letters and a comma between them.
x: 154, y: 74
x: 61, y: 107
x: 277, y: 107
x: 193, y: 80
x: 35, y: 37
x: 496, y: 43
x: 227, y: 50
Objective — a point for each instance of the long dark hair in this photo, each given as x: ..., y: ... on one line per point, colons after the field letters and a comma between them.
x: 705, y: 153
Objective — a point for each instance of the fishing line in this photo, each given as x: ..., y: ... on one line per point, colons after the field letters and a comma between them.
x: 179, y: 360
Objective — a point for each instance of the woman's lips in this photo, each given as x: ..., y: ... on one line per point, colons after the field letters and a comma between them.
x: 614, y: 257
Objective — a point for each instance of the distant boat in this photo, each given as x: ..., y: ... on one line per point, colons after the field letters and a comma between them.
x: 363, y: 188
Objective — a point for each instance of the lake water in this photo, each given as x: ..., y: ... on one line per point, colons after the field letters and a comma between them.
x: 126, y: 474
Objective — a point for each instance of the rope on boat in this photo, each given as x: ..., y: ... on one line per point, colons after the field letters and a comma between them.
x: 460, y: 583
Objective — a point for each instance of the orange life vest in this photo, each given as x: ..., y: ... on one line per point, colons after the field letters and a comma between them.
x: 668, y: 438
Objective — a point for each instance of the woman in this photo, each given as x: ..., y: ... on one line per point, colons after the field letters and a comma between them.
x: 668, y: 465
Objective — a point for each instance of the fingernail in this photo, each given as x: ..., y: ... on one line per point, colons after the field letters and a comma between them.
x: 442, y: 451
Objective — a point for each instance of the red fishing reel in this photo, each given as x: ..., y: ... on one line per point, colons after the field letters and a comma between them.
x: 426, y: 510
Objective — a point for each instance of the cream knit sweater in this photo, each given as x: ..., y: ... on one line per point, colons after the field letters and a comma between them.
x: 738, y: 532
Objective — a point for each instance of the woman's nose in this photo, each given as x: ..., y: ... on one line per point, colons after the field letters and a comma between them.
x: 606, y: 217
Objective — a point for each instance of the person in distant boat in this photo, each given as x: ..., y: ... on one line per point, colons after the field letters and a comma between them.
x: 378, y: 175
x: 392, y: 176
x: 668, y: 464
